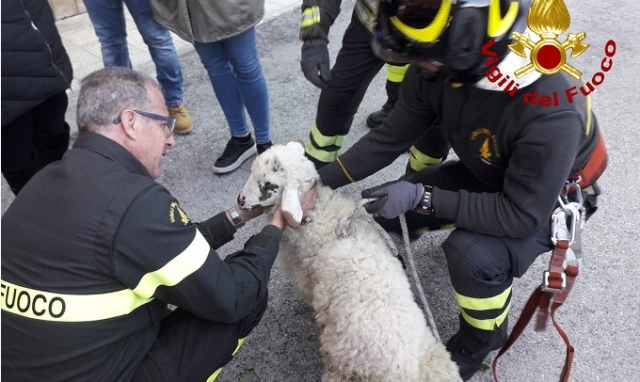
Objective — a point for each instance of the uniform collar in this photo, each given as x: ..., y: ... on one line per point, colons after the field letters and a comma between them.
x: 112, y: 150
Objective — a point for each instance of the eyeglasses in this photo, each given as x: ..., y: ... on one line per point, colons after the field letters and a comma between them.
x: 170, y: 122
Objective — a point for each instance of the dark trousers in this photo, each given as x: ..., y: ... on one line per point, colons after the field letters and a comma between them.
x: 191, y: 349
x: 33, y: 140
x: 480, y: 266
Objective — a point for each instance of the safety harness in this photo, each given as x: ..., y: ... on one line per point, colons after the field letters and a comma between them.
x: 567, y: 222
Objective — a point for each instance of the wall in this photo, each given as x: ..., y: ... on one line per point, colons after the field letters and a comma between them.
x: 66, y: 8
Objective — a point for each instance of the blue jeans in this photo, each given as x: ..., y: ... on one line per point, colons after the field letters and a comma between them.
x: 108, y: 21
x: 236, y: 76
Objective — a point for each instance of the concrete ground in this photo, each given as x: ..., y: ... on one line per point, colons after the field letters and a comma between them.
x: 601, y: 314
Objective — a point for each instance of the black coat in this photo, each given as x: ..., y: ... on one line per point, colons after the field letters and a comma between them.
x: 35, y: 65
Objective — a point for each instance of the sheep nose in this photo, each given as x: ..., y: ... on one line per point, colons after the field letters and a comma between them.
x: 241, y: 200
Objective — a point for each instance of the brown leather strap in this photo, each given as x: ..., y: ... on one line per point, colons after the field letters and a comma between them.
x: 594, y: 166
x: 540, y: 300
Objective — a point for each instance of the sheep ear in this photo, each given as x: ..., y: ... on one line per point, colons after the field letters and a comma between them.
x: 291, y: 207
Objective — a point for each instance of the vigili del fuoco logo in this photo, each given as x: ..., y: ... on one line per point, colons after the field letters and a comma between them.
x: 548, y: 19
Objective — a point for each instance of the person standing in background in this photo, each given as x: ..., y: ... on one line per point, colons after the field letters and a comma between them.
x: 223, y: 33
x: 36, y: 72
x: 107, y: 17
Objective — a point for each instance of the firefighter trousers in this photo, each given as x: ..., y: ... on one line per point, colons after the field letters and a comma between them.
x: 190, y: 348
x: 355, y: 67
x: 481, y: 266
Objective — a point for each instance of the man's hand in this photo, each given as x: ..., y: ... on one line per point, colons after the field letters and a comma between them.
x: 315, y: 62
x: 246, y: 215
x: 393, y: 198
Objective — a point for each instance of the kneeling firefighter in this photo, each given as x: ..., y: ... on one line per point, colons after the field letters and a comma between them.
x: 515, y: 159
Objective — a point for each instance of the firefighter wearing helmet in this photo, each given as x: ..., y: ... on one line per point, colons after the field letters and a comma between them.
x: 513, y: 158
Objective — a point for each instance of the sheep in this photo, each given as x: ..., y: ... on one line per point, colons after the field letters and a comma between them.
x: 371, y: 328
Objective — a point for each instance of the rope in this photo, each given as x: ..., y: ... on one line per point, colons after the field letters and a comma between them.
x: 394, y: 249
x: 416, y: 278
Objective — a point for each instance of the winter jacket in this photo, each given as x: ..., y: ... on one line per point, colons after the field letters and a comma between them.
x: 208, y: 21
x: 35, y: 65
x: 93, y: 250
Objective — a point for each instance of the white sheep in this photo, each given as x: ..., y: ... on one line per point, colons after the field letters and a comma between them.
x: 372, y: 329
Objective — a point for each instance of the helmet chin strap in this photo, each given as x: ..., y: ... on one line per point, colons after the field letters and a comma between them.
x: 509, y: 65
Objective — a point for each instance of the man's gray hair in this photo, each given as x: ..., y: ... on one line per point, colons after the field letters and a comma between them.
x: 105, y: 93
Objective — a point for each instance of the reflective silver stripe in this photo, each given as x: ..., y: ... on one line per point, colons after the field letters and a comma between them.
x: 40, y: 305
x: 367, y: 11
x: 310, y: 16
x: 60, y: 307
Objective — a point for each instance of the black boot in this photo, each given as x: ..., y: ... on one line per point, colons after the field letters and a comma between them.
x: 51, y: 148
x: 377, y: 118
x: 18, y: 178
x: 470, y: 346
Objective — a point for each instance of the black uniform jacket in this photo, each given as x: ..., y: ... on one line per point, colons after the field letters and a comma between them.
x: 35, y: 65
x: 521, y: 153
x: 93, y: 249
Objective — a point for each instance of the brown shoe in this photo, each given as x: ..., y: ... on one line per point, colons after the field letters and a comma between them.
x: 184, y: 124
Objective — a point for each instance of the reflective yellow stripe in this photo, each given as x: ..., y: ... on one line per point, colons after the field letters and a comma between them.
x: 321, y: 155
x: 217, y: 372
x: 345, y: 170
x: 396, y: 73
x: 59, y: 307
x: 497, y: 26
x: 489, y: 303
x: 487, y: 324
x: 181, y: 266
x: 588, y: 129
x: 310, y: 16
x: 324, y: 140
x: 418, y: 160
x: 431, y: 32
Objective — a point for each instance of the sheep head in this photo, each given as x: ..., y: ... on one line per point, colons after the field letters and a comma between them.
x: 280, y: 175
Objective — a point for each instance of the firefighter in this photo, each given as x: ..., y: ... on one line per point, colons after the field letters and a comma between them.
x: 514, y: 158
x: 93, y: 250
x: 343, y: 87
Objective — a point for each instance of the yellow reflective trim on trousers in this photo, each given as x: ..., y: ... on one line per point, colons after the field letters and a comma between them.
x: 487, y: 324
x: 217, y: 372
x: 396, y: 73
x: 181, y: 266
x: 488, y: 303
x: 418, y: 160
x: 59, y: 307
x: 324, y: 141
x: 310, y: 16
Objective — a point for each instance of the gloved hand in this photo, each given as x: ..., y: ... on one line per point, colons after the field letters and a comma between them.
x: 315, y: 62
x: 394, y: 198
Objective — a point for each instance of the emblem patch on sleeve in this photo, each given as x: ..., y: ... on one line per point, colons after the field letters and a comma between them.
x: 182, y: 215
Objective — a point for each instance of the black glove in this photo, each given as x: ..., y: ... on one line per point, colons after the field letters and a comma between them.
x: 315, y: 62
x: 394, y: 198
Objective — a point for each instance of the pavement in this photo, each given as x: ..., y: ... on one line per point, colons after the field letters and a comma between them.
x: 601, y: 316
